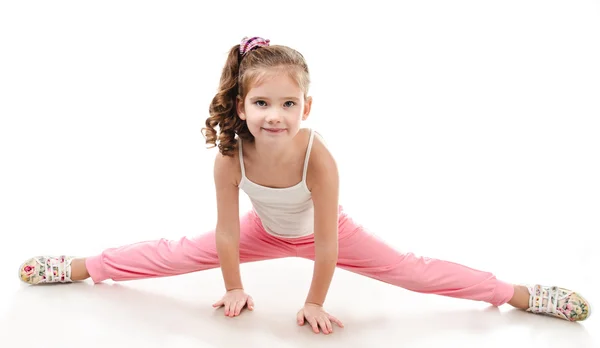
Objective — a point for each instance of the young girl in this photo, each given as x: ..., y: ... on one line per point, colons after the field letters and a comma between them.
x: 292, y: 181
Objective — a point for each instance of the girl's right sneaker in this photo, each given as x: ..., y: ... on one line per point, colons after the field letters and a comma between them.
x: 46, y: 269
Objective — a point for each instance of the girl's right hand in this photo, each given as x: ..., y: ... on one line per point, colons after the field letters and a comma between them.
x: 234, y: 301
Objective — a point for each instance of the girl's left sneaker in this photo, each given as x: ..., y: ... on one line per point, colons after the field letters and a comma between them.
x: 558, y: 302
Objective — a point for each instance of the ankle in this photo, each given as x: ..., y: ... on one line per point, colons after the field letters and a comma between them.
x: 79, y: 270
x: 520, y: 297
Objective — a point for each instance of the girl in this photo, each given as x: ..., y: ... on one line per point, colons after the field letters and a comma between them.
x: 292, y: 181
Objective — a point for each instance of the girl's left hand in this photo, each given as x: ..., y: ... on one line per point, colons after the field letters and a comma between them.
x: 317, y: 317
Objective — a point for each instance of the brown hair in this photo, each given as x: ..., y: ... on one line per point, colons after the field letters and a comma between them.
x: 239, y: 74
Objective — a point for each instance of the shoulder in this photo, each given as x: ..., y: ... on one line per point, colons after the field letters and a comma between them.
x: 322, y: 170
x: 227, y: 169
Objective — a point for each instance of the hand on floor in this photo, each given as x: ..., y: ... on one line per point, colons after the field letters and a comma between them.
x: 316, y: 316
x: 234, y: 301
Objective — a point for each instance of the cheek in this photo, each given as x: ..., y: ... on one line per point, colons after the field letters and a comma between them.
x: 252, y: 121
x: 253, y: 124
x: 297, y: 118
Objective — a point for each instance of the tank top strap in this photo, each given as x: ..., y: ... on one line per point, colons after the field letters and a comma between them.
x: 307, y: 156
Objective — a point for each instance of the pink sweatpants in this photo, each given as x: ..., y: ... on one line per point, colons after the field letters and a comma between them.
x: 359, y: 252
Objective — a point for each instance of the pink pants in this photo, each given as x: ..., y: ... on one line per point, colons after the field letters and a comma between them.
x: 359, y: 252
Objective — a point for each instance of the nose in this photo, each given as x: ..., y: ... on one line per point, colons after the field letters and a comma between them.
x: 273, y: 116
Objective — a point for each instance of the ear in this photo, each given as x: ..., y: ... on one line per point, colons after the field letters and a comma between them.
x: 240, y: 108
x: 307, y: 106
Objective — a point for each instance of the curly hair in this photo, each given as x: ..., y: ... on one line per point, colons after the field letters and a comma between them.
x: 239, y: 74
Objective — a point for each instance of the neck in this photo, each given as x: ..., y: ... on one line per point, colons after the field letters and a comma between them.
x: 271, y: 155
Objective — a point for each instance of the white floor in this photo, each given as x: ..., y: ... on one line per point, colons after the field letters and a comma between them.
x: 177, y: 312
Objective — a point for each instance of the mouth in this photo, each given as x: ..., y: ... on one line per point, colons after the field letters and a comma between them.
x: 274, y: 130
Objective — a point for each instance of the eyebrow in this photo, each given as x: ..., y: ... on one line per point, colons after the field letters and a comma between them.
x: 284, y: 98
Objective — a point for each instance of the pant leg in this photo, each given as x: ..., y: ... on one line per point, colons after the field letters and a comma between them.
x: 160, y: 258
x: 363, y: 253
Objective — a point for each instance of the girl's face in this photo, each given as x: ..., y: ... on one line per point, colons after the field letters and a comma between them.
x: 274, y: 109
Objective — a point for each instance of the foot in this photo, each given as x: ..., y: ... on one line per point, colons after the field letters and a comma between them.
x: 46, y: 269
x: 558, y: 302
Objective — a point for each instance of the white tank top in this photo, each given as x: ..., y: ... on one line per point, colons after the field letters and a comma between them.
x: 284, y: 212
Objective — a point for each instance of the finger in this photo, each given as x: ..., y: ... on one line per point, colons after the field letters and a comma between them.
x: 250, y: 303
x: 232, y: 308
x: 227, y: 307
x: 328, y: 325
x: 336, y: 320
x: 218, y: 303
x: 300, y: 317
x: 322, y: 325
x: 314, y: 324
x: 238, y: 306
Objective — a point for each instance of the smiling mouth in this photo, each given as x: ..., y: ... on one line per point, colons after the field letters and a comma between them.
x: 274, y: 130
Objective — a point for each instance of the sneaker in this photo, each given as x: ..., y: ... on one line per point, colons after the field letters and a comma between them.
x: 558, y: 302
x: 46, y: 269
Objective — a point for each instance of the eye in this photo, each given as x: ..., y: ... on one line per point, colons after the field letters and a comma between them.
x: 291, y: 102
x: 258, y: 103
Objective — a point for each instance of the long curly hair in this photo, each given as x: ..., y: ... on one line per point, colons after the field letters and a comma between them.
x: 239, y: 74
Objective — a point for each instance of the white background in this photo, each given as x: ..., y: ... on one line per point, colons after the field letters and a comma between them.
x: 463, y: 130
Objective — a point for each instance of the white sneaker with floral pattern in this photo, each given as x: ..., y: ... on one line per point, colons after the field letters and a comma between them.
x: 558, y: 302
x: 46, y: 269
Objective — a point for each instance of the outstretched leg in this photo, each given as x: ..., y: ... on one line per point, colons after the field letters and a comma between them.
x: 364, y: 253
x: 158, y: 258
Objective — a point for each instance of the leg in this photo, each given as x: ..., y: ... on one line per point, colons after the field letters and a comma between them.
x: 162, y: 257
x: 365, y: 254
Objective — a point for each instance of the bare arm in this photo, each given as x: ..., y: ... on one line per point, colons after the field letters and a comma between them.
x: 228, y: 227
x: 324, y: 184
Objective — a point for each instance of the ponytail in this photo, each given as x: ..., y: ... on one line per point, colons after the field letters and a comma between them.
x: 223, y: 110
